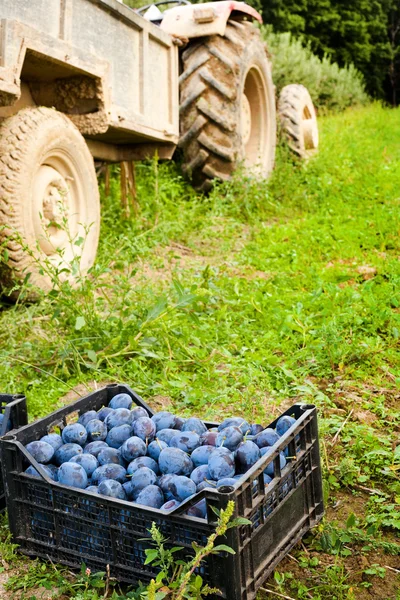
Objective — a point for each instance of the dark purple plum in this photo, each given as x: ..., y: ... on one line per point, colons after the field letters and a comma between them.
x: 163, y: 420
x: 138, y: 412
x: 170, y: 504
x: 268, y: 437
x: 87, y: 461
x: 110, y: 455
x: 143, y: 478
x: 142, y: 461
x: 284, y: 423
x: 103, y: 412
x: 198, y: 510
x: 51, y: 470
x: 96, y: 430
x: 221, y: 465
x: 186, y: 441
x: 74, y: 434
x: 110, y: 471
x: 246, y: 455
x: 199, y: 474
x: 230, y: 438
x: 132, y: 448
x: 118, y: 435
x: 119, y: 416
x: 194, y: 424
x: 201, y: 455
x: 53, y: 439
x: 87, y: 416
x: 65, y: 452
x: 94, y: 448
x: 72, y: 475
x: 42, y: 452
x: 243, y: 425
x: 121, y: 401
x: 209, y: 438
x: 112, y: 488
x: 154, y: 449
x: 179, y: 422
x: 175, y: 462
x: 144, y: 428
x: 151, y: 496
x: 166, y: 435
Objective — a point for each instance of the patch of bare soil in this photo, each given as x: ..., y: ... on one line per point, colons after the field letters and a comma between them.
x: 78, y: 391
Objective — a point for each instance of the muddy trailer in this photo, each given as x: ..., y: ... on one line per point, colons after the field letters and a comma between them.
x: 93, y: 79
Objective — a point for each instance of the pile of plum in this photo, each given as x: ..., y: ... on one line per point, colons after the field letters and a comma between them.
x: 8, y: 426
x: 159, y: 461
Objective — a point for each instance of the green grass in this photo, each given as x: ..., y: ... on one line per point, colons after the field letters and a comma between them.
x: 246, y: 301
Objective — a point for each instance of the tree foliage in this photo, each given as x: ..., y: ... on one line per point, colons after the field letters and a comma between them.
x: 363, y: 32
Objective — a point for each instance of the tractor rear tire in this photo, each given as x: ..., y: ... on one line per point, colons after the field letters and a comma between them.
x: 49, y: 200
x: 227, y: 106
x: 298, y: 120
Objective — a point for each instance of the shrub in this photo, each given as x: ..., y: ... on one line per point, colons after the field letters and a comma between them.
x: 332, y: 88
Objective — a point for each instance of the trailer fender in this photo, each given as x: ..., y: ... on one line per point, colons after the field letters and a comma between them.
x: 198, y: 20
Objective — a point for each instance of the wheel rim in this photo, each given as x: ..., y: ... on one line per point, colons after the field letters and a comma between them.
x: 58, y: 207
x: 254, y: 119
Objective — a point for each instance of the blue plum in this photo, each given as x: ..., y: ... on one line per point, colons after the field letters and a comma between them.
x: 230, y: 437
x: 226, y: 481
x: 65, y: 452
x: 221, y: 465
x: 154, y: 449
x: 87, y: 461
x: 209, y: 438
x: 142, y: 461
x: 242, y: 424
x: 179, y: 422
x: 144, y: 428
x: 72, y: 475
x: 94, y: 448
x: 92, y: 488
x: 103, y: 412
x: 119, y: 416
x: 110, y: 471
x: 74, y: 434
x: 175, y: 462
x: 163, y: 420
x: 166, y: 435
x: 186, y: 441
x: 246, y: 455
x: 284, y: 423
x: 207, y: 483
x: 181, y: 487
x: 112, y: 488
x: 151, y: 496
x: 255, y: 428
x: 42, y: 452
x: 201, y: 455
x: 118, y: 435
x: 194, y: 424
x: 142, y: 479
x: 53, y: 439
x: 51, y: 471
x: 268, y: 437
x: 267, y: 479
x: 198, y: 510
x: 163, y: 483
x: 132, y: 448
x: 110, y: 455
x: 97, y: 430
x: 200, y: 473
x: 138, y: 412
x: 87, y: 416
x: 121, y: 401
x: 269, y: 470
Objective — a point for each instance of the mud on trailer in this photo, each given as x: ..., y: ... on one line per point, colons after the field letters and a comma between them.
x: 93, y: 79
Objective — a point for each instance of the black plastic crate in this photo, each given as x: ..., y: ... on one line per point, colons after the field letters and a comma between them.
x: 15, y: 415
x: 72, y: 526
